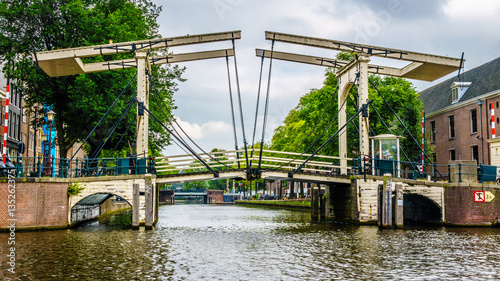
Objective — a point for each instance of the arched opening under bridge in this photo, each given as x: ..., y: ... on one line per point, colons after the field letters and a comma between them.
x: 419, y: 209
x: 95, y: 205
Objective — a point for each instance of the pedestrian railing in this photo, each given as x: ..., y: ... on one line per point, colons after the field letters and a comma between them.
x: 64, y: 168
x: 458, y: 172
x: 269, y: 160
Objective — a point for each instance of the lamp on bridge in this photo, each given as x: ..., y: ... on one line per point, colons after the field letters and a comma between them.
x: 45, y: 153
x: 385, y: 154
x: 50, y: 118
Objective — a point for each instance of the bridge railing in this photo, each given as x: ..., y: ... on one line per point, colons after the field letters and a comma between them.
x: 458, y: 172
x: 271, y: 159
x: 64, y: 168
x: 220, y: 160
x: 282, y: 160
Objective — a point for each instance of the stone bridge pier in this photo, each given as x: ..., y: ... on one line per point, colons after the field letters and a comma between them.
x: 138, y: 190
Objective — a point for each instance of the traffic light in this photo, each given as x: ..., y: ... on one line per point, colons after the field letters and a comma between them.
x: 21, y: 147
x: 364, y: 110
x: 152, y: 169
x: 140, y: 108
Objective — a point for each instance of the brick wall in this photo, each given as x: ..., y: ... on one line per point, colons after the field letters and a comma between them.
x: 217, y: 195
x: 462, y: 210
x: 38, y: 205
x: 464, y: 138
x: 165, y: 196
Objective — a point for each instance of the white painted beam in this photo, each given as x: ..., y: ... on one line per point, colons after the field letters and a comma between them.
x: 362, y: 48
x: 173, y: 58
x: 67, y: 61
x: 327, y: 62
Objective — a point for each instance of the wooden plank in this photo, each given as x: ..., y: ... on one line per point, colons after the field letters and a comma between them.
x: 135, y: 206
x: 149, y: 202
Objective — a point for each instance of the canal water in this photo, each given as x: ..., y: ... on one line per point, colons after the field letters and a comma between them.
x: 209, y: 242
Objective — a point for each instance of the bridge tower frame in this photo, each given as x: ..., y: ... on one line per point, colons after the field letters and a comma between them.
x: 66, y: 62
x: 421, y: 66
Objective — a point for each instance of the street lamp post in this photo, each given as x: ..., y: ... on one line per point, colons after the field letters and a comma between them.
x: 50, y: 117
x: 45, y: 156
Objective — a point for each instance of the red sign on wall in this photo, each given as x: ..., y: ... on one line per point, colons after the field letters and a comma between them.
x: 479, y: 196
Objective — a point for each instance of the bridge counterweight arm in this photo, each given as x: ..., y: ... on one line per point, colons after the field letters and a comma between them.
x: 68, y: 61
x: 171, y: 58
x: 426, y: 67
x: 327, y: 62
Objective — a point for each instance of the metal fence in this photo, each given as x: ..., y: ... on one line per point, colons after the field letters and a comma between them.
x: 458, y: 172
x: 64, y: 168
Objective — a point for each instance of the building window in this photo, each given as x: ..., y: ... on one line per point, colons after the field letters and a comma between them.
x: 452, y: 155
x: 473, y: 121
x: 454, y: 94
x: 475, y: 153
x: 433, y: 131
x: 23, y: 112
x: 31, y: 142
x: 451, y: 122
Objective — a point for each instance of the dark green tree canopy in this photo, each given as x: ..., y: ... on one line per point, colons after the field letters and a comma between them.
x: 79, y: 101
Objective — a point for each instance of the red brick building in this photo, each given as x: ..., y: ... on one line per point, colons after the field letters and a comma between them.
x: 458, y: 118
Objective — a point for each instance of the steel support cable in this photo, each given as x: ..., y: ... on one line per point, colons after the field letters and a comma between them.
x: 266, y: 107
x: 328, y: 140
x: 257, y: 109
x: 331, y: 121
x: 123, y: 135
x: 324, y: 130
x: 112, y: 130
x: 190, y: 150
x: 406, y: 129
x: 102, y: 118
x: 390, y: 132
x: 232, y: 109
x: 317, y: 139
x: 179, y: 137
x: 181, y: 140
x: 239, y: 101
x: 317, y: 122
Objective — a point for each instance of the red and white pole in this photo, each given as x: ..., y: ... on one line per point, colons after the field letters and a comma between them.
x: 6, y: 123
x: 423, y: 139
x: 493, y: 121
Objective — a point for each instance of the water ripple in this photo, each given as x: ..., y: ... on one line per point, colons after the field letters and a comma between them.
x: 204, y: 242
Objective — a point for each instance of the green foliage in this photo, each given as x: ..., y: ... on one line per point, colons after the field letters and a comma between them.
x: 304, y: 127
x: 75, y: 188
x: 79, y: 101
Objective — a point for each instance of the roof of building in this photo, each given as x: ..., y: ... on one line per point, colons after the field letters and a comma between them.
x: 484, y: 78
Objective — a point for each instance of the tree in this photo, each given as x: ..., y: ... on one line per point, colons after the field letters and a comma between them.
x: 314, y: 119
x: 79, y: 101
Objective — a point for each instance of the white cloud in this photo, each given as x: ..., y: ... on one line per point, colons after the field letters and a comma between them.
x: 471, y: 10
x: 197, y: 131
x: 203, y: 101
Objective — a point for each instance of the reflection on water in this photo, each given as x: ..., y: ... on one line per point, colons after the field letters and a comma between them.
x: 206, y: 242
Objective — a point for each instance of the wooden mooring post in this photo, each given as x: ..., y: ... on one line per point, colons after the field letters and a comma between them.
x: 390, y: 204
x: 322, y: 204
x: 385, y: 202
x: 149, y: 192
x: 135, y: 206
x: 315, y: 204
x: 399, y: 216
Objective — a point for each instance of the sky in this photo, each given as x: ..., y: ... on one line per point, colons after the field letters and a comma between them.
x: 445, y: 28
